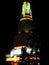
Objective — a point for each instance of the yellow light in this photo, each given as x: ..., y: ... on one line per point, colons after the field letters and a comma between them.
x: 19, y: 47
x: 15, y: 59
x: 9, y: 59
x: 34, y: 58
x: 26, y: 31
x: 25, y: 19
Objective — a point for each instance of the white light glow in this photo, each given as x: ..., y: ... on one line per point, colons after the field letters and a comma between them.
x: 33, y: 52
x: 28, y: 50
x: 15, y: 52
x: 38, y: 50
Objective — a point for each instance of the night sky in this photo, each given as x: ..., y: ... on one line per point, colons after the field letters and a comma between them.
x: 11, y: 13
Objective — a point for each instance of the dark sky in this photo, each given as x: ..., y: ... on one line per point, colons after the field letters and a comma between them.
x: 11, y: 13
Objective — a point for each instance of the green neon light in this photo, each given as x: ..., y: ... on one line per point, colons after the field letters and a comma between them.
x: 27, y: 8
x: 23, y: 9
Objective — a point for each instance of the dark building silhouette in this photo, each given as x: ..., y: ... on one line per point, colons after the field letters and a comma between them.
x: 26, y: 33
x: 27, y: 30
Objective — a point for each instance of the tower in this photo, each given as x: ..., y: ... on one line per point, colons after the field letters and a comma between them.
x: 25, y: 26
x: 25, y: 35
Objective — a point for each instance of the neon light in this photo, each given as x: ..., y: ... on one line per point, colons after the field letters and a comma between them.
x: 23, y: 9
x: 25, y: 19
x: 27, y: 8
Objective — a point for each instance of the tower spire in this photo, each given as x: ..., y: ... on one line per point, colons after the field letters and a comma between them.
x: 26, y: 11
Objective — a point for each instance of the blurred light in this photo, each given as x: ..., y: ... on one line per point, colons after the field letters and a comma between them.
x: 19, y: 32
x: 32, y: 58
x: 31, y: 31
x: 23, y: 8
x: 26, y: 30
x: 30, y: 63
x: 38, y: 58
x: 15, y: 59
x: 8, y: 55
x: 28, y: 50
x: 26, y: 58
x: 15, y: 52
x: 38, y: 63
x: 23, y: 61
x: 33, y: 52
x: 9, y: 59
x: 20, y: 47
x: 38, y: 50
x: 25, y: 19
x: 26, y: 10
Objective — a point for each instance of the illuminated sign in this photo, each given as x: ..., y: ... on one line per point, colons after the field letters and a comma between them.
x: 26, y: 10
